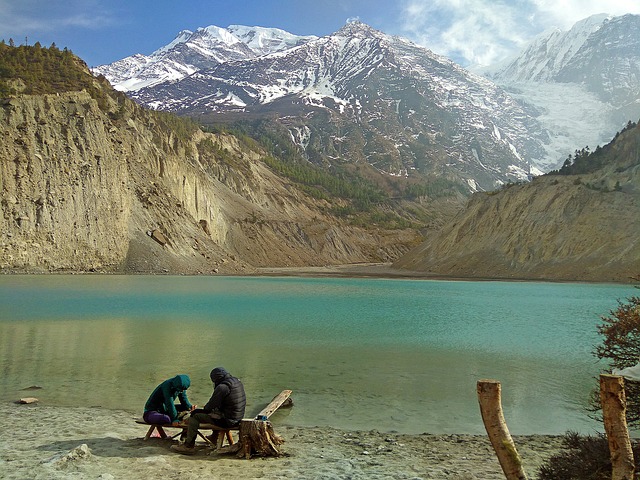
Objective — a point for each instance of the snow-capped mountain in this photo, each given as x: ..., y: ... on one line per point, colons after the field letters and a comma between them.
x: 585, y: 82
x: 566, y: 90
x: 193, y: 51
x: 263, y: 41
x: 361, y: 95
x: 548, y: 53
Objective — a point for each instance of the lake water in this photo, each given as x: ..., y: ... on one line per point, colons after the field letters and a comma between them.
x: 390, y: 355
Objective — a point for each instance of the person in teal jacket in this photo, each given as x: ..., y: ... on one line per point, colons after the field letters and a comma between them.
x: 160, y: 408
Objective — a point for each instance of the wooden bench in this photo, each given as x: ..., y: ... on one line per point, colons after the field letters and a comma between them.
x: 224, y: 432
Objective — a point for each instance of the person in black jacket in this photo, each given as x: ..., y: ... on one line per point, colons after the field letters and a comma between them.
x: 225, y: 408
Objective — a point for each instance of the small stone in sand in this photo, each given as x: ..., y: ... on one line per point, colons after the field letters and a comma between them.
x: 81, y: 452
x: 28, y: 400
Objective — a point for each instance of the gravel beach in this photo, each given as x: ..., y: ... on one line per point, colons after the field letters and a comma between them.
x: 47, y: 442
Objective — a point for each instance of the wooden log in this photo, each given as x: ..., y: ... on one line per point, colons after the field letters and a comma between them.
x: 276, y: 403
x: 614, y: 406
x: 489, y: 393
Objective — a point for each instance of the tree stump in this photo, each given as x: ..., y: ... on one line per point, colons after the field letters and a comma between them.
x: 494, y: 423
x: 257, y: 437
x: 614, y: 406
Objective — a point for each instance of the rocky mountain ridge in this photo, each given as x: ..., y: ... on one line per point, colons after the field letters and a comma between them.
x: 360, y: 95
x: 571, y: 89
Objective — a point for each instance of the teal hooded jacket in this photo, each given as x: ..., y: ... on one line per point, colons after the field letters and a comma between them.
x: 163, y: 397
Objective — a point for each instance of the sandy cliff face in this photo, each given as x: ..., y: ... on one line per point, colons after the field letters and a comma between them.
x: 84, y: 188
x: 65, y: 185
x: 560, y: 227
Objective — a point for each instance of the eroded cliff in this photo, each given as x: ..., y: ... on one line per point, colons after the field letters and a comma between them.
x: 90, y: 186
x: 581, y: 226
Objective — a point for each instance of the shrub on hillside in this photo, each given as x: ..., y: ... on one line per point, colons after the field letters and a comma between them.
x: 621, y: 347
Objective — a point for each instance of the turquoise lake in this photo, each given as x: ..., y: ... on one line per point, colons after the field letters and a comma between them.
x: 366, y: 354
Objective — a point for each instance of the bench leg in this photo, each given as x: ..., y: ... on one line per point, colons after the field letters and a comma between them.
x: 222, y: 434
x: 149, y: 432
x: 208, y: 441
x: 161, y: 432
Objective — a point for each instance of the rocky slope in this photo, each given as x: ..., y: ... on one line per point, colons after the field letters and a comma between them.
x: 582, y: 226
x: 96, y: 183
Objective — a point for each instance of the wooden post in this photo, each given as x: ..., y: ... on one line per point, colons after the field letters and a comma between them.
x: 494, y: 423
x: 614, y: 406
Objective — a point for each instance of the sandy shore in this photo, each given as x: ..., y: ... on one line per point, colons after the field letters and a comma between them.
x: 373, y: 270
x: 357, y: 270
x: 44, y: 442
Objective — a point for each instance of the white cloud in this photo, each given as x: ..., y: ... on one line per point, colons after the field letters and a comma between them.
x: 29, y: 16
x: 564, y: 13
x: 482, y: 32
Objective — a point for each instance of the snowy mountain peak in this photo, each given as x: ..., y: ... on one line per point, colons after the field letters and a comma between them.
x: 264, y: 41
x: 592, y: 22
x: 218, y: 33
x: 355, y: 28
x: 182, y: 37
x: 547, y: 53
x: 418, y: 112
x: 191, y: 51
x: 367, y: 96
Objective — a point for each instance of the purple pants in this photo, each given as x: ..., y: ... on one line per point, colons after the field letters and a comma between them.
x: 156, y: 418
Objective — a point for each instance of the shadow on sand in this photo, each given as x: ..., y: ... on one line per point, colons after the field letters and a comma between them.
x: 129, y: 448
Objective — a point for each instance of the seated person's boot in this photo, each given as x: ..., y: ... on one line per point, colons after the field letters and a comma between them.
x: 184, y: 449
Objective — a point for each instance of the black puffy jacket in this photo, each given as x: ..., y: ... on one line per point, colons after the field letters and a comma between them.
x: 229, y: 398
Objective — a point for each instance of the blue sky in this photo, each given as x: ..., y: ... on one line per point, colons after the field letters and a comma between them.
x: 468, y: 31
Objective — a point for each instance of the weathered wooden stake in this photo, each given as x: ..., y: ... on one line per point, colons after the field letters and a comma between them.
x: 494, y: 423
x: 614, y: 406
